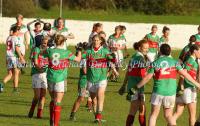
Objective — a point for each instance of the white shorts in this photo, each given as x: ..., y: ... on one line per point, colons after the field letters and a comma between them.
x: 11, y: 62
x: 39, y: 80
x: 138, y: 96
x: 151, y: 56
x: 92, y: 87
x: 189, y: 96
x: 83, y: 92
x: 166, y: 101
x: 57, y: 87
x: 119, y: 58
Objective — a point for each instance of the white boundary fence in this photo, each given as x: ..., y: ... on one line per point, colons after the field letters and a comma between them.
x: 135, y: 31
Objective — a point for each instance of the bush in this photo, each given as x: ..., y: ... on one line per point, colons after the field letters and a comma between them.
x: 13, y: 7
x: 91, y: 4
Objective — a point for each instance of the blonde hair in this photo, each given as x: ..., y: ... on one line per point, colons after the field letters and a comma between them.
x: 59, y: 39
x: 45, y: 38
x: 154, y: 26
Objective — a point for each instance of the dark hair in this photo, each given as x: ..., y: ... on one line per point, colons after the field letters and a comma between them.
x: 139, y: 44
x: 19, y: 15
x: 193, y: 47
x: 85, y: 45
x: 165, y: 49
x: 122, y: 27
x: 15, y: 29
x: 165, y: 28
x: 96, y: 25
x: 117, y: 27
x: 47, y: 27
x: 192, y: 38
x: 199, y: 27
x: 59, y: 18
x: 37, y: 23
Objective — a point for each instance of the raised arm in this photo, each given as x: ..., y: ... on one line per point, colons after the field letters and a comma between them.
x: 29, y: 24
x: 145, y: 80
x: 187, y: 76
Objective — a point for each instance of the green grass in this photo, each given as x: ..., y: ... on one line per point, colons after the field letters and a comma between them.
x: 119, y: 16
x: 14, y: 108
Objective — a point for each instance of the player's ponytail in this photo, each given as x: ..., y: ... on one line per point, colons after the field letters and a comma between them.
x: 136, y: 46
x: 59, y: 39
x: 192, y: 39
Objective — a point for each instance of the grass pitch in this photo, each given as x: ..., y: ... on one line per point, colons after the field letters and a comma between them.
x: 14, y: 107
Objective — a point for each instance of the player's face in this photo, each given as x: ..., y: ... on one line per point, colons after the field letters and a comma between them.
x: 19, y: 20
x: 60, y: 23
x: 118, y: 31
x: 154, y: 30
x: 38, y: 27
x: 44, y: 43
x: 197, y: 53
x: 144, y: 49
x: 199, y: 30
x: 97, y: 42
x: 166, y: 33
x: 123, y: 31
x: 99, y: 29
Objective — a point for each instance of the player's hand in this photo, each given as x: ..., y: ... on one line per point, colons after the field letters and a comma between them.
x: 122, y: 90
x: 79, y: 47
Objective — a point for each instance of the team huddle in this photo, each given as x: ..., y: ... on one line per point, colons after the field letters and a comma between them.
x: 100, y: 61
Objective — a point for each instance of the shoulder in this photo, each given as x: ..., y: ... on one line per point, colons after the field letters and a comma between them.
x: 65, y: 29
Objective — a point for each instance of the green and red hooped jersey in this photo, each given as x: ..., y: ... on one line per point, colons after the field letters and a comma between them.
x: 59, y: 61
x: 97, y: 62
x: 137, y: 69
x: 163, y: 40
x: 116, y: 42
x: 197, y: 36
x: 153, y: 42
x: 42, y: 60
x: 185, y: 54
x: 191, y: 66
x: 165, y: 72
x: 82, y: 76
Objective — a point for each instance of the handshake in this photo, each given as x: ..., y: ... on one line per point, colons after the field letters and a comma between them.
x: 81, y: 46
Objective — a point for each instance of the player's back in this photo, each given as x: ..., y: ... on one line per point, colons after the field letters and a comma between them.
x: 165, y: 73
x: 11, y: 42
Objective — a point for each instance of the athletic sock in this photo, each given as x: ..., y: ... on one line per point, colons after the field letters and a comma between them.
x: 39, y: 113
x: 56, y: 111
x: 98, y: 116
x: 51, y: 107
x: 31, y: 111
x: 142, y: 120
x: 130, y: 120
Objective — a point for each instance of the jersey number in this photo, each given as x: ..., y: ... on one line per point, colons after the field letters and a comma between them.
x: 55, y: 60
x: 9, y: 45
x: 165, y: 66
